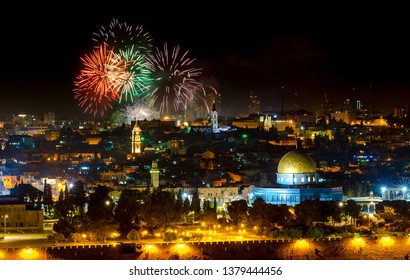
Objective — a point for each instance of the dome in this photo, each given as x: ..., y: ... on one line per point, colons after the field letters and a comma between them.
x: 295, y: 162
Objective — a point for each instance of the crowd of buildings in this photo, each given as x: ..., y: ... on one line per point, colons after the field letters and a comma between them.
x: 343, y: 150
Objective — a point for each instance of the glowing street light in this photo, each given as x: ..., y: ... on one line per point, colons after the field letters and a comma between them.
x: 29, y: 254
x: 5, y: 222
x: 367, y: 219
x: 383, y: 191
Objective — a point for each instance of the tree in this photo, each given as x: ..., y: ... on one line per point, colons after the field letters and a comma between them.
x: 309, y: 211
x: 126, y: 212
x: 63, y: 227
x: 63, y: 206
x: 47, y: 198
x: 159, y: 210
x: 238, y: 211
x: 179, y: 204
x: 186, y: 206
x: 196, y: 202
x: 209, y: 215
x: 259, y: 215
x: 78, y: 199
x: 100, y: 206
x: 67, y: 199
x: 352, y: 209
x: 60, y: 208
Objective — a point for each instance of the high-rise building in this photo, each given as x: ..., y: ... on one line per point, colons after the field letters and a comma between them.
x: 400, y: 112
x: 254, y: 104
x: 50, y: 118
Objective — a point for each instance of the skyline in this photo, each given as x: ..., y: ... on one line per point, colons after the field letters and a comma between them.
x: 315, y: 57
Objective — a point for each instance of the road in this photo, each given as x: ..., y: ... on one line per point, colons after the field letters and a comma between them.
x: 37, y: 240
x: 22, y: 240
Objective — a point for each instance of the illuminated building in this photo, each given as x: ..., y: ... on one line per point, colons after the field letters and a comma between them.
x: 136, y: 144
x: 214, y: 119
x: 254, y: 104
x: 297, y: 181
x: 19, y: 216
x: 154, y: 175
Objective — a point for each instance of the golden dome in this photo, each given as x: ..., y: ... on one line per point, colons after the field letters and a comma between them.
x: 295, y: 162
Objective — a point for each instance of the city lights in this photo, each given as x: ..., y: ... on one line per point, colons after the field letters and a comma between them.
x: 181, y: 248
x: 302, y: 244
x: 162, y: 162
x: 358, y: 242
x: 387, y: 241
x: 29, y: 254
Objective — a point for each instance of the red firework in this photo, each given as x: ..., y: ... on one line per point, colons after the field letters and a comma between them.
x: 96, y: 86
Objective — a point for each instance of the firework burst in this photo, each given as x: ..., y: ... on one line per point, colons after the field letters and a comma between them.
x: 139, y: 112
x: 96, y: 87
x: 136, y: 80
x: 174, y: 79
x: 121, y: 36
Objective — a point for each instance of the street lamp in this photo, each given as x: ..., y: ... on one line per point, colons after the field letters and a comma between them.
x: 193, y: 218
x: 5, y: 222
x: 367, y: 219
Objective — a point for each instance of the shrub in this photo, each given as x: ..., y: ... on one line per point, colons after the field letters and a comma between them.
x: 170, y: 236
x: 315, y: 233
x: 288, y: 233
x: 133, y: 235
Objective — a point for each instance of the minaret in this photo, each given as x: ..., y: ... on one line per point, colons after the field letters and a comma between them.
x: 136, y: 143
x: 267, y: 123
x: 154, y: 174
x: 214, y: 118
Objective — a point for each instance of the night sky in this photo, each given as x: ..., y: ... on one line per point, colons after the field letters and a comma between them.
x: 271, y: 51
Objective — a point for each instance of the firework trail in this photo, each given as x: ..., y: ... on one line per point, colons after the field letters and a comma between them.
x: 174, y: 79
x: 96, y: 87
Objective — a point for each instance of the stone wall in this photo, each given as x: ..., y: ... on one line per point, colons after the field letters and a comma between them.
x: 380, y: 248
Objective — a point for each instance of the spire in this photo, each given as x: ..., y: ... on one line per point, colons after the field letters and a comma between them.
x: 214, y: 118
